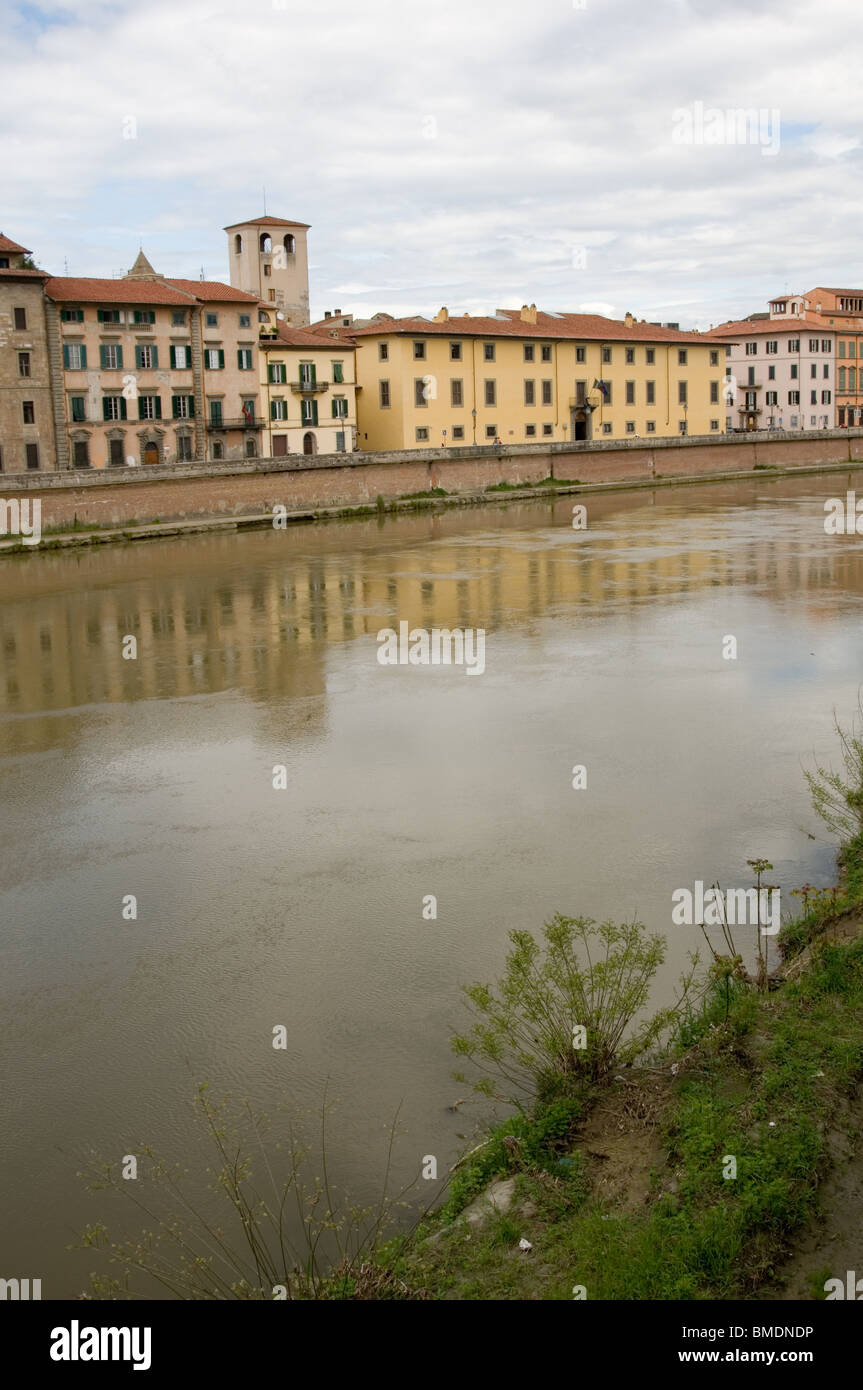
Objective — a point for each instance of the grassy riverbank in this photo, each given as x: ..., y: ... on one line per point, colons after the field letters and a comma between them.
x: 625, y: 1192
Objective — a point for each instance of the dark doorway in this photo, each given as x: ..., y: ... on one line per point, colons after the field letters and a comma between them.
x: 310, y: 444
x: 151, y: 453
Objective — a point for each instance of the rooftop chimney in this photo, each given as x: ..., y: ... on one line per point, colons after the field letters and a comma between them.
x: 629, y: 320
x: 442, y: 315
x: 528, y: 314
x: 327, y: 314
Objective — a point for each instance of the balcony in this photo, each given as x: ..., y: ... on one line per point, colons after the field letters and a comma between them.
x: 234, y: 423
x: 309, y: 388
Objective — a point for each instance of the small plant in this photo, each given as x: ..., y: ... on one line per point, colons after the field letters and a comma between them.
x: 557, y: 1023
x: 838, y: 799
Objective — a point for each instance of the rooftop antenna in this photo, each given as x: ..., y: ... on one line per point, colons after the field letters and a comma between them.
x: 65, y: 265
x: 202, y: 272
x: 265, y: 200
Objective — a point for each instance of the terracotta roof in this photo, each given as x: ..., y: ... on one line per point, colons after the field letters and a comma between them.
x: 304, y: 337
x: 19, y: 273
x: 748, y: 328
x: 570, y: 327
x: 214, y: 290
x: 79, y: 290
x: 6, y: 244
x: 266, y: 222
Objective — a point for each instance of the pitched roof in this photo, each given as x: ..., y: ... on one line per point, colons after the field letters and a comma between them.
x: 214, y: 290
x: 141, y: 270
x: 304, y: 338
x: 558, y: 325
x: 266, y: 222
x: 7, y: 244
x: 748, y: 328
x: 81, y: 290
x: 20, y: 273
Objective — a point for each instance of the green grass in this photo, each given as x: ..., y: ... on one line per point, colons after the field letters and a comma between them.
x: 429, y: 492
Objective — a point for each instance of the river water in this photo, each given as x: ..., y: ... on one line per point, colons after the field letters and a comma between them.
x: 303, y: 907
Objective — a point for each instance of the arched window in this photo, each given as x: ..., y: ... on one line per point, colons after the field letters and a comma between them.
x: 289, y: 245
x: 310, y: 444
x: 238, y: 243
x: 266, y: 244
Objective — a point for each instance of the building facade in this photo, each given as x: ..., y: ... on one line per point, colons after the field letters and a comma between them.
x: 308, y: 390
x: 27, y: 426
x: 523, y: 376
x: 268, y: 258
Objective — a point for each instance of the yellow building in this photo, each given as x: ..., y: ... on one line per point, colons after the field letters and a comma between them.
x: 307, y: 389
x: 523, y: 376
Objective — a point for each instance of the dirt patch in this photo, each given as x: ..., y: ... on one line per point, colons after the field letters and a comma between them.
x: 621, y: 1139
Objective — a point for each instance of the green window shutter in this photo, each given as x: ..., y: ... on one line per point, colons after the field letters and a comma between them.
x: 100, y: 315
x: 173, y: 357
x: 335, y: 409
x: 314, y: 410
x: 155, y: 358
x: 141, y: 415
x: 240, y: 362
x: 273, y: 410
x: 191, y: 407
x: 83, y: 357
x: 105, y: 403
x: 122, y: 407
x: 103, y: 353
x: 158, y: 407
x: 119, y: 359
x: 313, y: 375
x: 139, y: 357
x: 271, y: 374
x: 221, y: 358
x: 175, y: 404
x: 66, y: 356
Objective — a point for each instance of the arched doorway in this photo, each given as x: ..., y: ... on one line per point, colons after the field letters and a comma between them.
x: 151, y: 452
x: 310, y: 444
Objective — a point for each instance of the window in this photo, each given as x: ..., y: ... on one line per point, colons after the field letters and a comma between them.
x: 115, y: 453
x: 794, y: 372
x: 280, y: 445
x: 650, y: 356
x: 545, y: 352
x: 606, y: 428
x: 146, y: 357
x: 714, y: 424
x: 149, y: 407
x: 111, y: 357
x: 842, y: 376
x: 530, y: 430
x: 383, y: 352
x: 178, y: 317
x: 245, y: 320
x: 547, y: 393
x: 751, y: 349
x: 340, y: 407
x: 77, y: 409
x: 184, y: 447
x: 181, y: 357
x: 772, y: 346
x: 74, y: 357
x: 20, y: 318
x: 750, y: 376
x: 491, y: 431
x: 420, y: 395
x: 419, y: 352
x: 530, y: 392
x: 109, y: 316
x: 278, y: 409
x: 606, y: 354
x: 813, y: 344
x: 217, y: 449
x: 650, y: 387
x: 771, y: 398
x: 852, y: 378
x: 23, y: 364
x: 488, y: 352
x: 458, y: 431
x: 630, y: 355
x: 338, y: 371
x: 289, y: 244
x: 29, y: 412
x: 491, y: 393
x: 32, y: 455
x: 813, y: 397
x: 244, y: 359
x: 528, y: 352
x: 714, y: 360
x: 72, y: 315
x: 681, y: 427
x: 630, y: 427
x: 826, y: 344
x: 277, y: 372
x: 214, y: 358
x: 681, y: 393
x: 384, y: 395
x: 340, y: 441
x: 581, y: 354
x: 681, y: 357
x: 80, y: 453
x: 455, y: 352
x: 422, y: 434
x: 826, y: 372
x: 183, y: 407
x: 771, y: 372
x: 793, y: 344
x: 211, y: 320
x: 113, y: 408
x: 548, y: 429
x: 456, y: 391
x: 714, y: 393
x: 630, y: 393
x: 793, y: 397
x: 651, y: 426
x: 215, y: 412
x: 826, y: 397
x: 144, y: 316
x: 248, y: 407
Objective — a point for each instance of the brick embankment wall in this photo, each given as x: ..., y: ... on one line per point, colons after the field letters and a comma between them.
x: 125, y: 496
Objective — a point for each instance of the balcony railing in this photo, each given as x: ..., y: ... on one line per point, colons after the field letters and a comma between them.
x: 235, y: 423
x: 308, y: 388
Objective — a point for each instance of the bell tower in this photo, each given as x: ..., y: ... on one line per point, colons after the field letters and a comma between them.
x: 268, y: 257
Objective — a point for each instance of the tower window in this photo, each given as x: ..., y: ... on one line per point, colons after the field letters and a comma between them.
x: 238, y: 244
x: 289, y: 245
x: 266, y: 244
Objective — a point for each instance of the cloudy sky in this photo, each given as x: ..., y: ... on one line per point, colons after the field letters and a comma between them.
x: 473, y: 153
